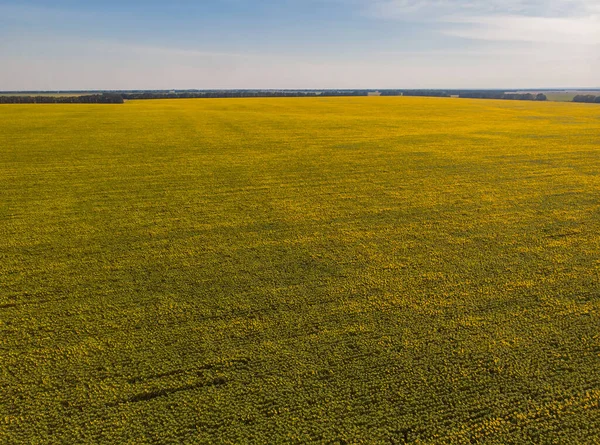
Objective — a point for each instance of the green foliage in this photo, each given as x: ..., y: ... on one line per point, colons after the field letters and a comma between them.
x: 104, y: 98
x: 325, y: 270
x: 586, y: 98
x: 502, y: 95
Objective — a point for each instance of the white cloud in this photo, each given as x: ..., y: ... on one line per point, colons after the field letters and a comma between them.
x: 430, y: 9
x: 579, y: 31
x: 545, y: 21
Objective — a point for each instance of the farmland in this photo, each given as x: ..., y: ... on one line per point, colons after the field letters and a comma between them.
x: 320, y: 270
x: 566, y: 96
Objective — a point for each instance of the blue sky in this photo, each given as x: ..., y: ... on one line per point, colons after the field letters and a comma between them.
x: 66, y: 44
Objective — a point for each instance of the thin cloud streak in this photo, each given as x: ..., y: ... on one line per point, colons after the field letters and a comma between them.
x: 557, y: 21
x: 429, y: 10
x: 576, y: 31
x: 168, y: 52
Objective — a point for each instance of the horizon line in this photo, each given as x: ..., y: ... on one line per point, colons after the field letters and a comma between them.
x: 301, y: 89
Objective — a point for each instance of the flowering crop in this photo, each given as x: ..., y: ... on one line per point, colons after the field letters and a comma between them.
x: 327, y: 270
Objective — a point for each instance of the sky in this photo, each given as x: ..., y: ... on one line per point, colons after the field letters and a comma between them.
x: 311, y: 44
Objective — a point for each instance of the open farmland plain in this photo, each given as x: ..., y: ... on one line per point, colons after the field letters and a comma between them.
x: 328, y: 270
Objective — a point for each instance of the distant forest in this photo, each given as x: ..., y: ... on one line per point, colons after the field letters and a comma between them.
x: 104, y: 98
x: 332, y: 93
x: 505, y: 96
x: 587, y: 98
x: 118, y: 97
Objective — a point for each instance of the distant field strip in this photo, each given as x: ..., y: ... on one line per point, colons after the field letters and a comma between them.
x: 315, y: 270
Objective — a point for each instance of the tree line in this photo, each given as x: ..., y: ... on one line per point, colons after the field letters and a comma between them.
x: 416, y: 93
x: 240, y: 93
x: 587, y: 98
x: 104, y: 98
x: 120, y: 97
x: 331, y: 93
x: 502, y: 96
x: 214, y: 94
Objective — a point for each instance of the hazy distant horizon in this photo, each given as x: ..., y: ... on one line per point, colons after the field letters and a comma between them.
x: 100, y: 90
